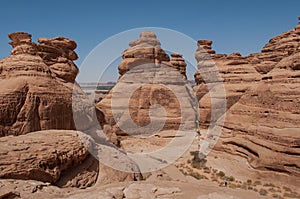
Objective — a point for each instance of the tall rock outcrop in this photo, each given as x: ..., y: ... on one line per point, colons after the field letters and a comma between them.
x: 148, y: 78
x: 36, y: 83
x: 233, y: 71
x: 262, y: 92
x: 36, y: 115
x: 58, y: 54
x: 145, y: 50
x: 178, y: 63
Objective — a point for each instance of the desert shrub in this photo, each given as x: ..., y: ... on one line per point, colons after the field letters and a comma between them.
x: 196, y: 165
x: 263, y: 192
x: 198, y: 161
x: 275, y: 195
x: 189, y: 161
x: 272, y: 190
x: 250, y: 188
x: 249, y: 181
x: 286, y: 188
x: 269, y: 185
x: 231, y: 178
x: 256, y: 182
x: 221, y: 174
x: 197, y: 176
x: 206, y: 170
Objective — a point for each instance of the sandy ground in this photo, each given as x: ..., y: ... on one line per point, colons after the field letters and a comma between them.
x: 248, y: 182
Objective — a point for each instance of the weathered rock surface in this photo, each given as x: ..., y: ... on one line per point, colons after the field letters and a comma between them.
x: 161, y: 189
x: 233, y: 71
x: 262, y: 92
x: 178, y: 63
x: 278, y: 48
x: 263, y: 125
x: 58, y: 54
x: 36, y: 83
x: 36, y: 88
x: 150, y: 79
x: 145, y: 50
x: 48, y: 156
x: 59, y: 157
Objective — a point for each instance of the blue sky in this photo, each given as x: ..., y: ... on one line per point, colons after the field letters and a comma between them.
x: 233, y: 25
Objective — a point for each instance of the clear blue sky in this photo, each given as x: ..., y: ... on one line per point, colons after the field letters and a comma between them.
x: 233, y: 25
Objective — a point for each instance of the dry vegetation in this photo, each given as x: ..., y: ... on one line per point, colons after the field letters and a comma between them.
x: 198, y: 169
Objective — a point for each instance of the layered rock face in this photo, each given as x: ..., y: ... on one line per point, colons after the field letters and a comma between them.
x: 145, y: 50
x: 148, y: 78
x: 59, y: 55
x: 178, y: 63
x: 233, y: 71
x: 36, y: 85
x: 59, y: 157
x: 48, y: 156
x: 263, y: 126
x: 36, y: 88
x: 278, y: 48
x: 262, y: 92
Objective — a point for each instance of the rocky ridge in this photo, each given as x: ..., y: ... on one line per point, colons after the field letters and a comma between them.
x: 262, y: 104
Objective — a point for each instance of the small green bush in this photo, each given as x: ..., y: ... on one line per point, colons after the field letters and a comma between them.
x: 231, y: 179
x: 221, y: 174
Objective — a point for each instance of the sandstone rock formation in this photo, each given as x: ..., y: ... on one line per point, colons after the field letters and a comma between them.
x: 263, y: 125
x: 233, y: 71
x: 178, y: 63
x: 207, y: 46
x: 36, y: 88
x: 278, y: 48
x: 48, y: 156
x: 262, y: 95
x: 59, y: 157
x: 145, y: 50
x: 149, y: 78
x: 36, y: 85
x: 58, y: 54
